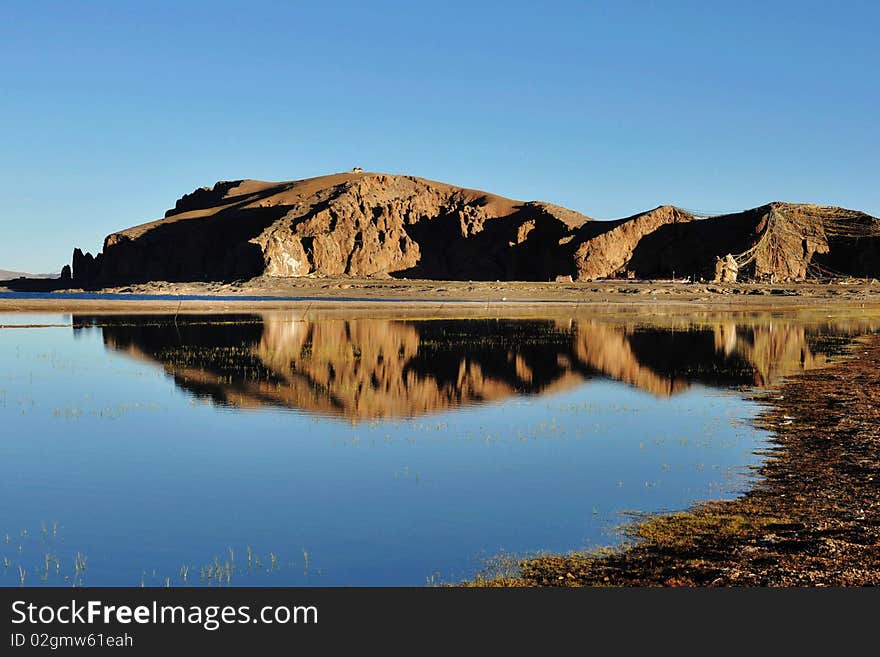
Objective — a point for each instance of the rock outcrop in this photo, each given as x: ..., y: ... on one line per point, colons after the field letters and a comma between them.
x: 604, y: 249
x: 86, y: 269
x: 379, y: 225
x: 353, y: 224
x: 779, y: 241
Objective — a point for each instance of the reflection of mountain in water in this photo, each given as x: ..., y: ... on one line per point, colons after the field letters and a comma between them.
x: 374, y: 368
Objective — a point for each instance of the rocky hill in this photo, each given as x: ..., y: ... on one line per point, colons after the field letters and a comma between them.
x: 787, y: 241
x: 380, y: 225
x: 356, y: 224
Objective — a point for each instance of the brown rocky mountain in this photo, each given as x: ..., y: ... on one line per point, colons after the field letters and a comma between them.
x: 373, y: 224
x: 603, y: 249
x: 357, y: 224
x: 364, y: 369
x: 786, y: 240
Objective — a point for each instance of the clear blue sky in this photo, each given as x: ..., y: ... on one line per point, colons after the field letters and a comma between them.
x: 112, y: 110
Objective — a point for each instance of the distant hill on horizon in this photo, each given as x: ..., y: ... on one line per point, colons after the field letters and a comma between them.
x: 8, y: 275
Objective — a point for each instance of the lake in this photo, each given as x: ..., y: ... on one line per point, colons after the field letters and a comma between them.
x: 278, y: 449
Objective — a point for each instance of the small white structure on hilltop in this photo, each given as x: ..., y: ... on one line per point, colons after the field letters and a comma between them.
x: 357, y: 170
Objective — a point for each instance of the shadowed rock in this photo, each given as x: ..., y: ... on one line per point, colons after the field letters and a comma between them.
x: 778, y: 240
x: 86, y: 268
x: 379, y: 225
x: 605, y: 249
x: 355, y: 224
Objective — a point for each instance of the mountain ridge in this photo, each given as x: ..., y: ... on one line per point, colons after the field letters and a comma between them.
x: 366, y: 224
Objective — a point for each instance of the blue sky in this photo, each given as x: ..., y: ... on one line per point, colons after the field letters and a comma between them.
x: 112, y: 110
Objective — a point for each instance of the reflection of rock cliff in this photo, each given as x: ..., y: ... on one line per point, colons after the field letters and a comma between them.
x: 360, y: 368
x: 371, y: 368
x: 608, y: 349
x: 772, y: 350
x: 381, y: 368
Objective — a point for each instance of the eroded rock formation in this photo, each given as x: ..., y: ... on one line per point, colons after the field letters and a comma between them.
x: 354, y: 224
x: 372, y: 224
x: 778, y: 241
x: 605, y: 249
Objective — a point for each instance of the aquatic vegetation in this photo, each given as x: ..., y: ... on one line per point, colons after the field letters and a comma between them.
x: 47, y: 569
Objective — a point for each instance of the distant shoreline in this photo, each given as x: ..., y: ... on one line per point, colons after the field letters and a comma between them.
x: 485, y: 297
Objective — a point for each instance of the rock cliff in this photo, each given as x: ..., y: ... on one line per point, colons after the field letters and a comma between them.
x: 355, y: 224
x: 380, y: 225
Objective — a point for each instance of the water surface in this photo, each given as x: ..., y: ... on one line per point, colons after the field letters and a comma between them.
x: 274, y: 449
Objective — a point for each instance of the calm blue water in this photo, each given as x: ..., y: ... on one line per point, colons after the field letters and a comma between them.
x: 362, y: 452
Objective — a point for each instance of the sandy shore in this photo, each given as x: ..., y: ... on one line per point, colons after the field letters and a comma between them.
x: 421, y: 297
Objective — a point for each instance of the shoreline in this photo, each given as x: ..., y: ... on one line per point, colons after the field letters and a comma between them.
x: 440, y: 296
x: 812, y: 518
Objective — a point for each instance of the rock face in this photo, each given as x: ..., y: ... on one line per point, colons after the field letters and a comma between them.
x: 604, y: 249
x: 373, y: 224
x: 354, y: 224
x: 85, y: 269
x: 778, y: 240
